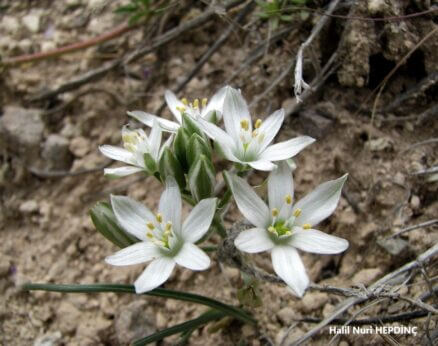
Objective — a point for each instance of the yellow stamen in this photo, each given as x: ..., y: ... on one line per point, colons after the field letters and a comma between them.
x: 159, y: 217
x: 182, y: 109
x: 307, y: 226
x: 168, y: 228
x: 184, y: 100
x: 258, y: 123
x: 288, y: 199
x: 275, y: 212
x: 129, y: 146
x: 149, y: 235
x: 204, y: 102
x: 297, y: 212
x: 271, y: 229
x: 196, y: 104
x: 150, y: 225
x: 244, y: 123
x: 254, y: 134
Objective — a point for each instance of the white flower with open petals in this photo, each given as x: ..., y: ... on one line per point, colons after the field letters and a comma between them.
x: 197, y: 109
x: 284, y: 227
x: 140, y: 152
x: 164, y: 239
x: 250, y: 145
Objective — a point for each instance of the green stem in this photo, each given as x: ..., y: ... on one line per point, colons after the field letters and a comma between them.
x: 157, y: 292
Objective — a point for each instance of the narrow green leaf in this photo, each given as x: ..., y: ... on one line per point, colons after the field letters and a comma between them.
x: 106, y: 223
x: 157, y: 292
x: 206, y: 317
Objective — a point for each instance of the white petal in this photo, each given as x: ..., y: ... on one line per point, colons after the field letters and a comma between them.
x: 173, y: 102
x: 320, y: 203
x: 288, y: 265
x: 148, y: 120
x: 225, y: 142
x: 248, y: 202
x: 286, y: 150
x: 134, y: 254
x: 199, y: 220
x: 270, y: 127
x: 121, y: 171
x: 170, y: 203
x: 155, y: 139
x: 235, y: 110
x: 192, y: 257
x: 254, y: 240
x: 280, y: 185
x: 166, y: 144
x: 118, y: 154
x: 315, y: 241
x: 262, y: 165
x: 157, y: 272
x: 216, y: 104
x: 131, y: 215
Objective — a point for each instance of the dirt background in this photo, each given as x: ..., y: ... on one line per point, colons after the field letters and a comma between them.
x: 47, y: 235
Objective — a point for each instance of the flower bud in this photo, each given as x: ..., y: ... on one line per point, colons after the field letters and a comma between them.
x: 202, y: 178
x: 197, y: 146
x: 150, y: 163
x: 190, y: 125
x: 180, y: 145
x: 169, y: 165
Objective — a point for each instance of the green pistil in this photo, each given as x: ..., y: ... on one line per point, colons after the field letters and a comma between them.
x: 281, y: 229
x: 245, y: 146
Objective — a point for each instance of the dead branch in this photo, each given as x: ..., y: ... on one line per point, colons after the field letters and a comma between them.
x: 160, y: 41
x: 414, y: 227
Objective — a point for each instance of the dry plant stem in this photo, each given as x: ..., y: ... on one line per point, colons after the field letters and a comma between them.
x: 419, y: 144
x: 210, y: 51
x: 120, y: 30
x: 160, y: 41
x: 426, y: 171
x: 374, y: 289
x: 382, y: 84
x: 414, y: 227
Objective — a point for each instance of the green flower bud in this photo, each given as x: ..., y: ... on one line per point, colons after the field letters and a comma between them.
x: 202, y: 178
x: 190, y: 125
x: 151, y: 164
x: 169, y: 165
x: 180, y: 145
x: 197, y: 146
x: 106, y: 223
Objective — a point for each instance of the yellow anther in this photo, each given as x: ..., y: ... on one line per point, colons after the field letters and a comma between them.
x: 288, y: 199
x: 297, y: 212
x: 272, y: 229
x: 129, y: 146
x: 307, y: 226
x: 275, y: 212
x: 159, y: 217
x: 254, y: 134
x: 184, y: 100
x: 204, y: 102
x: 150, y: 225
x: 258, y: 123
x: 149, y: 235
x: 168, y: 228
x: 181, y: 109
x: 196, y: 104
x: 244, y: 123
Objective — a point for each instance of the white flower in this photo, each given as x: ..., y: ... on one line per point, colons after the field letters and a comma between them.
x: 140, y: 152
x: 243, y: 144
x: 210, y: 111
x: 283, y: 227
x: 164, y: 239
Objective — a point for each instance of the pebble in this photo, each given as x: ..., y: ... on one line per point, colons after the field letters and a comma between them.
x: 56, y: 152
x: 10, y: 24
x: 80, y: 146
x: 314, y: 300
x: 67, y: 316
x: 28, y: 207
x: 133, y: 323
x: 415, y: 202
x: 49, y: 339
x: 366, y: 276
x: 286, y: 315
x: 32, y: 22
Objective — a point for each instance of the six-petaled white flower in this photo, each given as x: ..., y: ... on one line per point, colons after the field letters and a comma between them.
x: 197, y: 109
x: 164, y: 239
x: 140, y: 152
x: 284, y: 227
x: 244, y: 144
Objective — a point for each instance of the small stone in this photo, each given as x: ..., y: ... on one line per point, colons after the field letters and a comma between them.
x: 23, y: 130
x: 399, y: 178
x: 32, y: 22
x: 80, y: 146
x: 88, y: 329
x: 28, y: 207
x: 415, y: 202
x: 232, y: 274
x: 348, y: 217
x: 395, y: 246
x: 49, y: 339
x: 134, y: 322
x: 161, y: 320
x: 366, y: 276
x: 25, y: 45
x: 248, y: 331
x: 68, y: 316
x: 56, y: 152
x: 286, y: 315
x: 379, y: 144
x: 315, y: 124
x: 328, y: 310
x: 343, y: 343
x: 47, y: 46
x: 314, y: 300
x: 9, y: 24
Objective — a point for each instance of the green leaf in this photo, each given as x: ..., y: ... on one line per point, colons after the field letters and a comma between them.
x: 150, y: 163
x: 106, y: 223
x: 184, y: 327
x: 157, y: 292
x: 126, y: 9
x: 169, y: 165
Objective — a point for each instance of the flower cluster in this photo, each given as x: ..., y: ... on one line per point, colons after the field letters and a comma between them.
x: 185, y: 165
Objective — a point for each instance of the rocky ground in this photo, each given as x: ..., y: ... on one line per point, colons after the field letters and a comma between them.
x: 48, y: 182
